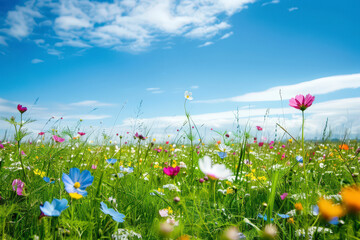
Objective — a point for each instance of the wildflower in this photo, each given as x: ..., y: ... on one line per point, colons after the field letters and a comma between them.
x: 164, y: 212
x: 47, y: 179
x: 264, y: 217
x: 118, y: 217
x: 58, y: 139
x: 300, y: 102
x: 1, y: 146
x: 261, y: 144
x: 54, y: 208
x: 350, y: 197
x: 216, y: 171
x: 223, y: 147
x: 77, y: 182
x: 21, y: 109
x: 283, y: 196
x: 40, y: 173
x: 41, y: 133
x: 290, y: 140
x: 298, y: 207
x: 111, y: 161
x: 270, y: 231
x: 188, y: 95
x: 93, y: 166
x: 232, y: 233
x: 172, y: 172
x: 343, y: 147
x: 201, y: 180
x: 291, y: 220
x: 81, y: 133
x: 299, y: 159
x: 259, y: 128
x: 18, y: 186
x: 329, y: 210
x: 176, y: 199
x: 222, y: 155
x: 75, y: 195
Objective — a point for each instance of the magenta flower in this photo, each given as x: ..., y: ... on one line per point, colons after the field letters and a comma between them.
x: 172, y: 172
x: 18, y: 186
x: 81, y: 133
x: 283, y: 196
x: 41, y: 133
x: 261, y: 144
x: 259, y: 128
x: 301, y: 102
x: 21, y: 108
x: 1, y: 146
x: 23, y: 153
x: 93, y: 166
x: 58, y: 139
x: 271, y: 143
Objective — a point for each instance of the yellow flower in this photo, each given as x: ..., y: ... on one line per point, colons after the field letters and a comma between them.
x: 75, y: 195
x: 329, y: 210
x: 229, y: 190
x: 170, y: 211
x: 40, y: 173
x: 290, y: 140
x: 351, y: 198
x: 291, y: 221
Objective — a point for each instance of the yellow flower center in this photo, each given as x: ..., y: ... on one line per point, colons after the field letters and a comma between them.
x: 77, y: 185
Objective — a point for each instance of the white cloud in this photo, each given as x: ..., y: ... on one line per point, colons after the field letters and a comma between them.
x: 36, y: 60
x: 293, y: 9
x: 90, y: 103
x: 194, y: 87
x: 87, y: 117
x: 152, y: 89
x: 206, y: 44
x: 21, y: 20
x: 271, y: 2
x: 123, y: 25
x: 315, y: 87
x: 226, y: 35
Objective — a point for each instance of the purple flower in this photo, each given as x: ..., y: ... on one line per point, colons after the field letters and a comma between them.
x: 283, y: 196
x: 172, y: 172
x: 300, y: 102
x: 18, y: 186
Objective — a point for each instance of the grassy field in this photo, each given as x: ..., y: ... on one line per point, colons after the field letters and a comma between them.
x: 139, y: 188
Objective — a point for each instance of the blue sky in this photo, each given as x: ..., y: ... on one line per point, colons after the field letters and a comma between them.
x: 79, y: 55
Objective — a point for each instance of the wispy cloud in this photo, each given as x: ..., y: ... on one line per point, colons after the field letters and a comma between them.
x: 154, y: 90
x: 2, y: 41
x: 122, y: 25
x: 87, y: 117
x: 90, y: 103
x: 315, y: 87
x: 36, y: 60
x: 271, y: 2
x: 194, y: 87
x: 206, y: 44
x: 293, y: 9
x: 226, y: 35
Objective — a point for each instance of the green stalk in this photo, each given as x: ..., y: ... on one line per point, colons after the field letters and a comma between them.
x: 305, y: 174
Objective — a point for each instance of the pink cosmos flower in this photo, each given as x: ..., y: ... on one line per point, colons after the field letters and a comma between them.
x: 1, y: 146
x: 81, y: 133
x: 23, y: 153
x: 271, y: 147
x: 283, y: 156
x: 18, y: 186
x: 172, y: 172
x: 93, y: 166
x: 21, y: 109
x: 300, y: 102
x: 271, y: 143
x: 283, y: 196
x: 58, y: 139
x: 261, y: 144
x: 259, y: 128
x: 41, y: 133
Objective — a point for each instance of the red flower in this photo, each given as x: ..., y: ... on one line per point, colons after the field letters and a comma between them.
x: 41, y: 133
x: 21, y: 109
x: 301, y: 102
x: 172, y: 172
x: 81, y: 133
x: 259, y: 128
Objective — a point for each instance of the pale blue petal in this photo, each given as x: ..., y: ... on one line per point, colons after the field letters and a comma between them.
x: 74, y: 174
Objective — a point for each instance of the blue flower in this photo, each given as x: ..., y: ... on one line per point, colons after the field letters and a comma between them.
x: 315, y: 212
x: 283, y: 215
x: 55, y: 208
x: 77, y: 182
x: 127, y: 170
x: 299, y: 159
x: 222, y: 155
x: 264, y: 217
x: 47, y: 179
x: 111, y: 161
x: 118, y: 217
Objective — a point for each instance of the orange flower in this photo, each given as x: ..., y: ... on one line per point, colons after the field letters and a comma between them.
x: 329, y: 210
x: 298, y: 206
x: 351, y: 198
x: 184, y: 237
x: 344, y: 147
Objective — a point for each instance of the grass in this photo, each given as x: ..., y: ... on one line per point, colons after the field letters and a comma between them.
x: 205, y: 210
